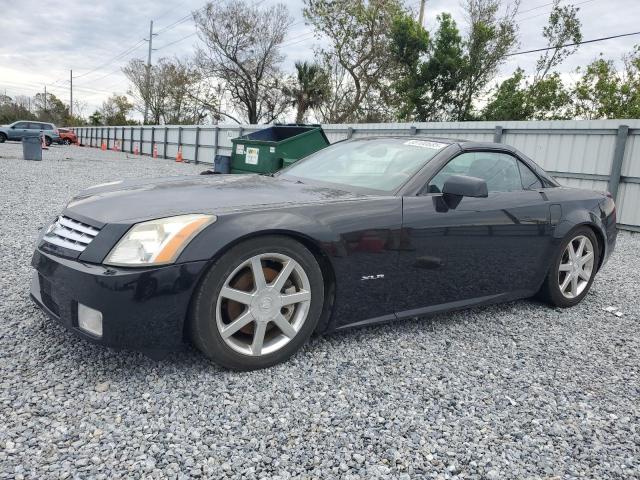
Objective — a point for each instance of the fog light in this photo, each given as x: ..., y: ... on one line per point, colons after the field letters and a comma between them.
x: 90, y: 320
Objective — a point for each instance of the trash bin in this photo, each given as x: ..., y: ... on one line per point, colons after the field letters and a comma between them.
x: 264, y: 151
x: 222, y: 164
x: 31, y: 148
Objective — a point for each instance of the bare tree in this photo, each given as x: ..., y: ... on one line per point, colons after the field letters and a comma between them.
x: 359, y: 33
x: 176, y: 92
x: 241, y: 49
x: 152, y: 93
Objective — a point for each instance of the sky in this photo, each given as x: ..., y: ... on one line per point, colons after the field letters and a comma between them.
x: 41, y: 42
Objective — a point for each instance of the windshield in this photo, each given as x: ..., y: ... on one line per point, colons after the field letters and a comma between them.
x: 382, y: 164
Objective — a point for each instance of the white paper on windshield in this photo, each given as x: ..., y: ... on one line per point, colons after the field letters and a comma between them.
x: 425, y: 144
x: 252, y: 156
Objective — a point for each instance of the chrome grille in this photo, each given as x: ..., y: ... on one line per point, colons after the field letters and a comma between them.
x: 68, y: 233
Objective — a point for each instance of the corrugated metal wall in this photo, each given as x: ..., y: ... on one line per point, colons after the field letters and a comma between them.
x: 579, y: 153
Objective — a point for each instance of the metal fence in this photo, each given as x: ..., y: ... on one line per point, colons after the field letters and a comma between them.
x: 594, y: 154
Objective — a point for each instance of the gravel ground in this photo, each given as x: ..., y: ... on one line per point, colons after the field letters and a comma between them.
x: 518, y: 390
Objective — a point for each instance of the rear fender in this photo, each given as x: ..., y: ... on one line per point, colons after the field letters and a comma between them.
x: 594, y: 218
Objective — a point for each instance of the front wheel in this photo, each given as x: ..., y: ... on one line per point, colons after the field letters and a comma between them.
x: 573, y: 270
x: 66, y: 141
x: 3, y: 138
x: 258, y: 304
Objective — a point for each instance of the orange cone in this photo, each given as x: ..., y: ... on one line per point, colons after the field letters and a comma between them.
x: 179, y: 155
x: 104, y: 146
x: 135, y: 149
x: 155, y: 151
x: 44, y: 143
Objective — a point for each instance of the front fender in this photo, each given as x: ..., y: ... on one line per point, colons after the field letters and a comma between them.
x: 230, y: 229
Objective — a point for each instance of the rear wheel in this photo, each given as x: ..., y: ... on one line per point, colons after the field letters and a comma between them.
x: 573, y: 270
x: 3, y: 137
x: 258, y: 304
x: 47, y: 141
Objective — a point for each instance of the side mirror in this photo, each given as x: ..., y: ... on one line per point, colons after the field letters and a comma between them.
x: 13, y: 127
x: 463, y: 186
x: 458, y: 186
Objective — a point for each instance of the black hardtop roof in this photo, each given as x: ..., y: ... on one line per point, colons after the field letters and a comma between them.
x: 463, y: 144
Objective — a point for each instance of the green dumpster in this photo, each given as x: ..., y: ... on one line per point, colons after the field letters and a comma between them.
x: 270, y: 149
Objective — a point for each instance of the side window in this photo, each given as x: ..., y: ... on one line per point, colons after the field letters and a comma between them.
x: 22, y: 125
x: 529, y: 179
x: 34, y: 126
x: 501, y: 171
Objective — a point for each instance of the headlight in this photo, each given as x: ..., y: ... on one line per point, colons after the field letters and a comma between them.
x: 157, y: 242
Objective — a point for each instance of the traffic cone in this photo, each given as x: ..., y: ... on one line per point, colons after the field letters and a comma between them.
x: 104, y: 146
x: 44, y: 143
x: 155, y: 151
x: 179, y: 155
x: 135, y: 149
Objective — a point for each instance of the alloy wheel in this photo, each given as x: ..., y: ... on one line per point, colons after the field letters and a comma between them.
x: 263, y: 304
x: 576, y: 267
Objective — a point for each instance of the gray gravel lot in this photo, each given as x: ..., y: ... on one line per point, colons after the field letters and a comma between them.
x: 512, y: 391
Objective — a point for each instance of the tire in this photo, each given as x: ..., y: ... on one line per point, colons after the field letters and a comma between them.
x: 47, y: 141
x: 226, y: 329
x: 3, y: 138
x: 564, y: 266
x: 66, y: 141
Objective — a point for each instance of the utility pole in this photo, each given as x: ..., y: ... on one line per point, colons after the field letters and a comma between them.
x: 421, y: 16
x: 45, y: 99
x: 70, y: 93
x: 148, y: 81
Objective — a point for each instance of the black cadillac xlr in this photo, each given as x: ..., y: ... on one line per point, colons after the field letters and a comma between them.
x: 247, y: 267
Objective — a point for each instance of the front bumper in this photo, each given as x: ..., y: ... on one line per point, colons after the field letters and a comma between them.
x: 142, y: 309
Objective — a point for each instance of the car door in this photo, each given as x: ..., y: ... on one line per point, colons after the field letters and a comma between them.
x: 18, y: 131
x: 481, y: 248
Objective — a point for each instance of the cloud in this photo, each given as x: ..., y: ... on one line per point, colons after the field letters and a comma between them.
x: 40, y: 43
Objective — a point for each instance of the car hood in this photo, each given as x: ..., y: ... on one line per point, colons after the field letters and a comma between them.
x: 129, y: 201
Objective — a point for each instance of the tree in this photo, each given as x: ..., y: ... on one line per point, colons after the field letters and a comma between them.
x: 241, y: 49
x: 605, y: 92
x: 115, y: 109
x: 13, y: 109
x: 490, y: 38
x: 96, y: 118
x: 175, y: 94
x: 358, y: 55
x: 516, y: 99
x: 563, y: 28
x: 429, y: 71
x: 545, y: 97
x: 310, y: 90
x: 51, y: 109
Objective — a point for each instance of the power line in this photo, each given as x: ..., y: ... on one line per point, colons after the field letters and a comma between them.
x: 545, y: 13
x: 574, y: 44
x: 134, y: 47
x: 176, y: 41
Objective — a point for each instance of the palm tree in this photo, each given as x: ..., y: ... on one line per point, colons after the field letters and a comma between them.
x: 310, y: 90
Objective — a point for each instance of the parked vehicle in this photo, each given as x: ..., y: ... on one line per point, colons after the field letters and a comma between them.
x: 67, y: 136
x: 29, y: 128
x: 362, y: 232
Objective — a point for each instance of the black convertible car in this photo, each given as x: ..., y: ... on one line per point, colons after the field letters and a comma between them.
x: 364, y: 231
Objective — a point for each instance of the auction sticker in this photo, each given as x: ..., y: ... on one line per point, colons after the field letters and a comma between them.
x: 252, y: 156
x: 425, y: 144
x: 239, y: 149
